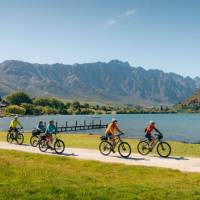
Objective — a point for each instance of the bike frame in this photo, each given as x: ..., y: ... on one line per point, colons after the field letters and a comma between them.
x: 156, y: 141
x: 117, y: 139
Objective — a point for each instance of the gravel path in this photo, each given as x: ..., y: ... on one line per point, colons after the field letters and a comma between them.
x: 184, y: 164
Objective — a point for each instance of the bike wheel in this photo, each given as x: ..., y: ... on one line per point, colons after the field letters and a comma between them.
x: 105, y: 148
x: 59, y: 146
x: 34, y: 140
x: 143, y: 148
x: 43, y: 145
x: 124, y: 149
x: 20, y: 138
x: 164, y: 149
x: 9, y: 137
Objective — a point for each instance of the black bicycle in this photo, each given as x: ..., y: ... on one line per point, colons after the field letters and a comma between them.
x: 106, y: 147
x: 58, y: 145
x: 35, y: 137
x: 163, y: 148
x: 15, y: 136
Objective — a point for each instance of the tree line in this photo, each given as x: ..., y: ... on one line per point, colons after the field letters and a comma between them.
x: 21, y: 103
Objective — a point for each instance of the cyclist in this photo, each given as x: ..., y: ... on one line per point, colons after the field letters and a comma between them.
x: 51, y: 128
x: 111, y: 129
x: 148, y: 130
x: 41, y: 127
x: 14, y: 125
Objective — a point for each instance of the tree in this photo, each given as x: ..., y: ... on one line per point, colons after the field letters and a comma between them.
x: 76, y: 105
x: 86, y: 105
x: 51, y: 102
x: 18, y: 98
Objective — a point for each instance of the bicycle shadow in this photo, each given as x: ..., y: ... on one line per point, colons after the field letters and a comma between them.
x: 54, y: 153
x: 130, y: 158
x: 172, y: 158
x: 63, y: 154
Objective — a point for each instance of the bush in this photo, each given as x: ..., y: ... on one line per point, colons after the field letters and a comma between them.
x: 18, y: 98
x: 53, y: 103
x: 15, y: 109
x: 48, y: 110
x: 31, y: 109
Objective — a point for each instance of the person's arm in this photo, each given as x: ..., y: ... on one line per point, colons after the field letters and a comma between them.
x: 19, y: 124
x: 157, y: 131
x: 47, y: 129
x: 117, y: 129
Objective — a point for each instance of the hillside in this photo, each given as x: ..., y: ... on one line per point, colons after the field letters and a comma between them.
x: 114, y: 81
x: 192, y: 100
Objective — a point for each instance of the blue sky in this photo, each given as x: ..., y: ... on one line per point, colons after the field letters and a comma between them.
x: 162, y: 34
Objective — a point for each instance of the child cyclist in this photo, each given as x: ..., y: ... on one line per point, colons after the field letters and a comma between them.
x: 148, y: 130
x: 51, y: 129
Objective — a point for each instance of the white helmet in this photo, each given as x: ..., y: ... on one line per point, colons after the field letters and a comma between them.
x: 114, y: 120
x: 151, y: 122
x: 16, y: 117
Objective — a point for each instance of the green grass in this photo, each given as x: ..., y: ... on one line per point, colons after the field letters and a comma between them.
x: 92, y: 142
x: 26, y: 176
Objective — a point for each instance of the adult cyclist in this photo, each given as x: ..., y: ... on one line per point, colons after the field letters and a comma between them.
x: 148, y: 130
x: 111, y: 130
x: 14, y: 124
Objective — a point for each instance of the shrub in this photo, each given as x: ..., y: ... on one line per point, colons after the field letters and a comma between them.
x: 15, y: 109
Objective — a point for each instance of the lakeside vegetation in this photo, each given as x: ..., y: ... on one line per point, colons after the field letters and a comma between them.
x: 87, y: 141
x: 21, y: 103
x: 32, y: 176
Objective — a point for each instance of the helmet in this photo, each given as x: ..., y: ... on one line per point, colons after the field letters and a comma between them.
x: 51, y: 122
x: 16, y: 117
x: 151, y: 122
x: 114, y: 120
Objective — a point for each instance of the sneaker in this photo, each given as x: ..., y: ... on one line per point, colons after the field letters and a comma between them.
x: 150, y: 148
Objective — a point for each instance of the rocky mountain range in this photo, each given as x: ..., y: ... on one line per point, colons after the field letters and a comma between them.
x: 114, y: 81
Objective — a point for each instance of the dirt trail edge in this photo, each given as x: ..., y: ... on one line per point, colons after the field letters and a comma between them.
x: 184, y: 164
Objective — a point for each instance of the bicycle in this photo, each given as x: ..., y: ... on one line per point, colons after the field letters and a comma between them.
x: 58, y: 144
x: 106, y: 147
x: 34, y: 139
x: 163, y: 148
x: 14, y: 136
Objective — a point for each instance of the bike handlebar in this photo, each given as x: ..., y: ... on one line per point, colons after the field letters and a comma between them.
x: 120, y: 134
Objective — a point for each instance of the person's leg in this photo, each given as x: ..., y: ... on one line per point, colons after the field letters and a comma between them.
x: 16, y: 132
x: 152, y: 142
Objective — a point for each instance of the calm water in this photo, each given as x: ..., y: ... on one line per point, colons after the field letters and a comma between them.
x: 182, y: 127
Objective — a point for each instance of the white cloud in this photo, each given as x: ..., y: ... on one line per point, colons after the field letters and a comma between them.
x: 111, y: 22
x: 130, y: 12
x: 119, y: 18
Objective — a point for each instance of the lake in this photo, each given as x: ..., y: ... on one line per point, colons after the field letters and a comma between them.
x: 180, y: 127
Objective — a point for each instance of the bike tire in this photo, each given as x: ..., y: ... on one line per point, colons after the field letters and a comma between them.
x: 124, y: 146
x: 164, y: 146
x: 143, y: 148
x: 20, y: 138
x: 59, y: 146
x: 34, y: 141
x: 9, y: 137
x: 105, y: 145
x: 43, y: 145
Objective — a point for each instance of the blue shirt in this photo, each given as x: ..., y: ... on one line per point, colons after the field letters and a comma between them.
x: 41, y: 127
x: 51, y: 129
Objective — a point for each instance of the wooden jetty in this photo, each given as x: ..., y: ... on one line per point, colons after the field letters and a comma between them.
x: 80, y: 127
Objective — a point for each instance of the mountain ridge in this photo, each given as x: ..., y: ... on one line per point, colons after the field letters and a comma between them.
x: 114, y: 81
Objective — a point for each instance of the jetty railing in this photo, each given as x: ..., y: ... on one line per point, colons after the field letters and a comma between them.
x: 80, y: 127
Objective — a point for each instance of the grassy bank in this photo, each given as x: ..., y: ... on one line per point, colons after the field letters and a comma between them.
x: 31, y: 176
x: 92, y: 142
